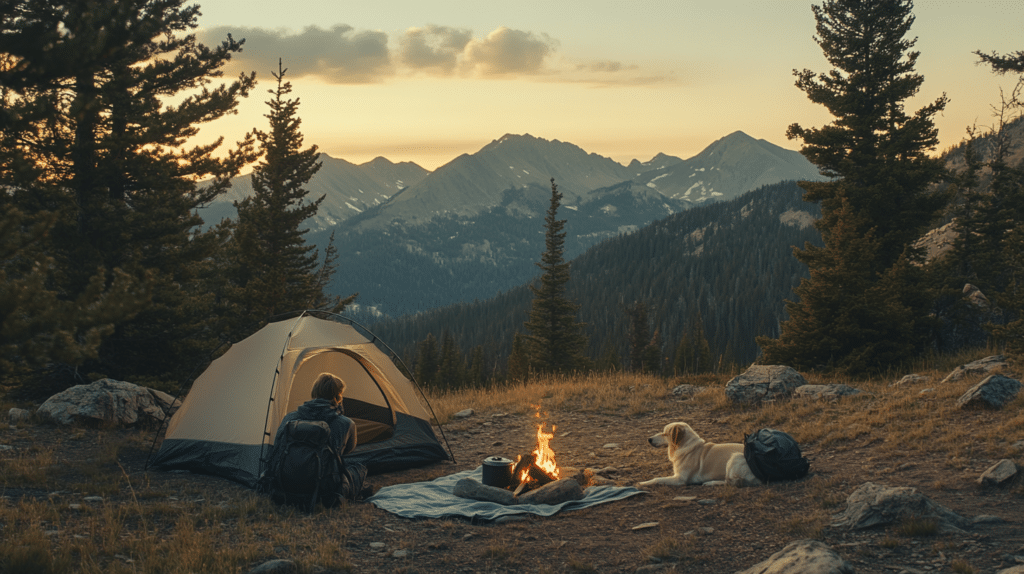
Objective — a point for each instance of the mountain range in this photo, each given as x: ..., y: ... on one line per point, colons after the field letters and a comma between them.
x: 410, y: 240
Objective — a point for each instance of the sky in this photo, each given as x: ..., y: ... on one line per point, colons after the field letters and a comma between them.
x: 426, y: 81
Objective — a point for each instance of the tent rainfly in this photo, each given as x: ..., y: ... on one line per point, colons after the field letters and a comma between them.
x: 227, y: 422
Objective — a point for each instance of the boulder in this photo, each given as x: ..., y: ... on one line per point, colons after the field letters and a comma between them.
x: 830, y: 392
x: 18, y: 416
x: 762, y: 383
x: 686, y: 390
x: 979, y: 367
x: 108, y: 403
x: 993, y: 391
x: 999, y: 473
x: 802, y: 557
x: 1012, y: 570
x: 874, y: 505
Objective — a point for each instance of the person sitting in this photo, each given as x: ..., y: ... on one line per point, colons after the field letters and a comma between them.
x: 325, y: 405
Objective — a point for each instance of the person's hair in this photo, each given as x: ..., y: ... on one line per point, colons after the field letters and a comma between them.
x: 327, y: 386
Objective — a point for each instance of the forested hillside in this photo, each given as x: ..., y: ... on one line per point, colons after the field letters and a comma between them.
x: 727, y: 265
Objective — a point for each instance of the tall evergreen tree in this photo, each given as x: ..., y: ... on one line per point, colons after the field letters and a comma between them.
x: 427, y: 361
x: 639, y: 335
x: 86, y: 92
x: 276, y: 270
x: 518, y: 370
x: 556, y: 340
x: 862, y: 309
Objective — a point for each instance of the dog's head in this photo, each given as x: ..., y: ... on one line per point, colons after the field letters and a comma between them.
x: 674, y: 436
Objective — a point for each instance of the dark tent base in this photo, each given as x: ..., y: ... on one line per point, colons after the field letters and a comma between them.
x: 413, y: 444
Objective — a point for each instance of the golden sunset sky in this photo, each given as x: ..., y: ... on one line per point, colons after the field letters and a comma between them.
x: 423, y: 81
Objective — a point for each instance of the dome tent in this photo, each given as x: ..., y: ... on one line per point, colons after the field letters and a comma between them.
x: 227, y: 422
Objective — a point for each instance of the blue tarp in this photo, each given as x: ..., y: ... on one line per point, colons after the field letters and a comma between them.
x: 434, y: 499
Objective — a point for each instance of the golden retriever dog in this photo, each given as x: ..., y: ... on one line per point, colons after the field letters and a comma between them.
x: 697, y: 461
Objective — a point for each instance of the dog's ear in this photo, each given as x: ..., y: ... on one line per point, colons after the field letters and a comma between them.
x: 677, y: 434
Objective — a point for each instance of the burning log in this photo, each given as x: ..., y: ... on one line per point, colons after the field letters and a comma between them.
x: 528, y: 476
x: 555, y: 492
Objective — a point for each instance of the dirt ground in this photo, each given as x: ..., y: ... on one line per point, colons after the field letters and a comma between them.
x: 720, y: 529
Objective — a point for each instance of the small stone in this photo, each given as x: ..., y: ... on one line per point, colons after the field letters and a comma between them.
x: 6, y: 447
x: 1000, y: 473
x: 377, y: 546
x: 706, y: 530
x: 400, y: 554
x: 93, y: 499
x: 685, y: 498
x: 611, y: 445
x: 75, y: 506
x: 464, y: 414
x: 645, y: 526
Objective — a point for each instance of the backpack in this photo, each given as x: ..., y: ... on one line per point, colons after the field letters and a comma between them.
x: 304, y: 468
x: 773, y: 455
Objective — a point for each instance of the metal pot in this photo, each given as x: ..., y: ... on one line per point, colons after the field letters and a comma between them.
x: 497, y: 471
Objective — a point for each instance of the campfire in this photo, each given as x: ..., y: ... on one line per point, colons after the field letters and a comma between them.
x: 537, y: 468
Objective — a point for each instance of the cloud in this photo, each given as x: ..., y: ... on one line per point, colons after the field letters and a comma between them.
x: 507, y: 52
x: 434, y: 49
x: 338, y: 55
x: 605, y: 66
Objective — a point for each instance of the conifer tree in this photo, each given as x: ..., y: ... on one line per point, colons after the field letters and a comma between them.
x: 639, y: 335
x: 518, y: 370
x: 427, y: 362
x: 277, y: 272
x: 556, y: 340
x: 652, y: 355
x: 862, y: 309
x: 85, y: 91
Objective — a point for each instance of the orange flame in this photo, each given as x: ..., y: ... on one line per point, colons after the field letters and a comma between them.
x: 546, y: 456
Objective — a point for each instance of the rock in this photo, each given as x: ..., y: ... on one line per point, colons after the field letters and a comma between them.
x: 400, y: 554
x: 377, y: 546
x: 831, y: 392
x: 763, y: 383
x: 463, y: 414
x: 108, y: 402
x: 469, y: 488
x: 911, y: 380
x: 1012, y: 570
x: 979, y: 367
x: 278, y: 566
x: 802, y: 557
x: 686, y: 390
x: 987, y: 519
x: 879, y: 505
x: 998, y: 474
x: 611, y: 446
x: 555, y: 492
x: 645, y: 526
x: 993, y: 391
x: 18, y: 416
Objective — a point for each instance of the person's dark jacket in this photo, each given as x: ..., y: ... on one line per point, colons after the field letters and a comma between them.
x: 343, y: 430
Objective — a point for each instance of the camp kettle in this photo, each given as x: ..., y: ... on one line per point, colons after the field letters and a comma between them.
x: 497, y: 471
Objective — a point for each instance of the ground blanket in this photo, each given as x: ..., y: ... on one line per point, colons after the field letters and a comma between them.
x: 434, y: 499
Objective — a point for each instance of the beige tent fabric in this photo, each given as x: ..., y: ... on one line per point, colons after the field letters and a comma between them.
x: 228, y: 402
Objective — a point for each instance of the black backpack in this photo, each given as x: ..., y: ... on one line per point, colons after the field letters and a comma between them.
x: 773, y: 455
x: 304, y: 468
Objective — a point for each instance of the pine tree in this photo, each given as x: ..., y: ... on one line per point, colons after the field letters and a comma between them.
x: 556, y: 340
x: 639, y: 335
x: 652, y: 356
x: 861, y: 301
x: 277, y: 272
x: 87, y: 98
x: 427, y: 361
x: 518, y: 370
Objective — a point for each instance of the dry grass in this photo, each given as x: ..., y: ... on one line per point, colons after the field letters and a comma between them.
x: 138, y: 527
